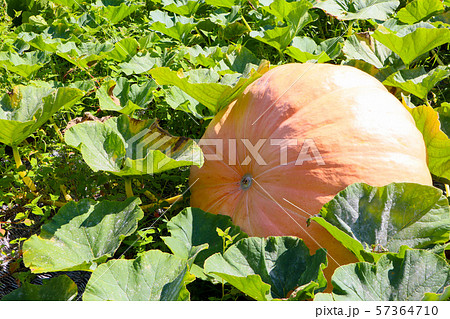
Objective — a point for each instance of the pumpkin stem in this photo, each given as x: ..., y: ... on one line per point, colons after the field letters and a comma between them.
x: 246, y: 181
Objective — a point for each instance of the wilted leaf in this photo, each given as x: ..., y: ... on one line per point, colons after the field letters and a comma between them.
x: 268, y: 268
x: 359, y: 9
x: 152, y: 276
x: 81, y: 235
x: 177, y: 27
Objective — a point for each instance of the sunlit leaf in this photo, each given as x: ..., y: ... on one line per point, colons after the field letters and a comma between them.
x: 305, y: 49
x: 114, y: 11
x: 154, y: 275
x: 193, y: 227
x: 418, y: 10
x: 437, y: 143
x: 81, y: 235
x: 121, y: 96
x: 177, y: 27
x: 378, y: 219
x: 359, y: 9
x: 417, y: 81
x: 25, y: 64
x: 407, y: 276
x: 26, y: 108
x: 412, y: 41
x: 60, y: 288
x: 126, y: 146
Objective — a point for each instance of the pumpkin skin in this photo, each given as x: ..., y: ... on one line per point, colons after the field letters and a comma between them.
x: 362, y: 132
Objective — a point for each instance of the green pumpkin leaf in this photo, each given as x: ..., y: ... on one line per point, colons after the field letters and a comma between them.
x: 410, y: 42
x: 407, y: 276
x: 436, y: 141
x: 139, y: 64
x: 181, y: 7
x: 268, y: 268
x: 82, y: 235
x: 84, y: 54
x: 223, y: 3
x: 60, y: 288
x: 125, y: 146
x: 359, y: 9
x: 305, y: 49
x: 417, y: 81
x: 28, y: 107
x: 385, y: 218
x: 25, y: 64
x: 193, y: 227
x: 202, y: 87
x: 364, y: 47
x: 443, y: 296
x: 118, y: 95
x: 152, y: 276
x: 124, y: 50
x: 418, y: 10
x: 114, y: 11
x: 177, y: 27
x: 444, y: 117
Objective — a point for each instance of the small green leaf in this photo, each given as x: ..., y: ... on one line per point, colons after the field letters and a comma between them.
x: 116, y: 10
x: 305, y: 49
x: 60, y: 288
x: 139, y: 64
x: 202, y: 87
x: 436, y: 141
x: 412, y: 41
x: 84, y: 54
x: 26, y: 108
x: 359, y: 9
x: 443, y: 296
x: 418, y: 10
x: 124, y: 50
x: 81, y: 235
x: 152, y: 276
x: 194, y: 227
x: 407, y: 276
x: 269, y: 268
x: 417, y: 81
x: 444, y: 117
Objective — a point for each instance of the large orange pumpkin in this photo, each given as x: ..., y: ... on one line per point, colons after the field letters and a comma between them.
x: 293, y: 140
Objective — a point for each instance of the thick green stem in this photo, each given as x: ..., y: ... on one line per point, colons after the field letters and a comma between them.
x: 128, y: 187
x: 23, y: 175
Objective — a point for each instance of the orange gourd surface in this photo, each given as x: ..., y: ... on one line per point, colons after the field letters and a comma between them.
x: 294, y: 139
